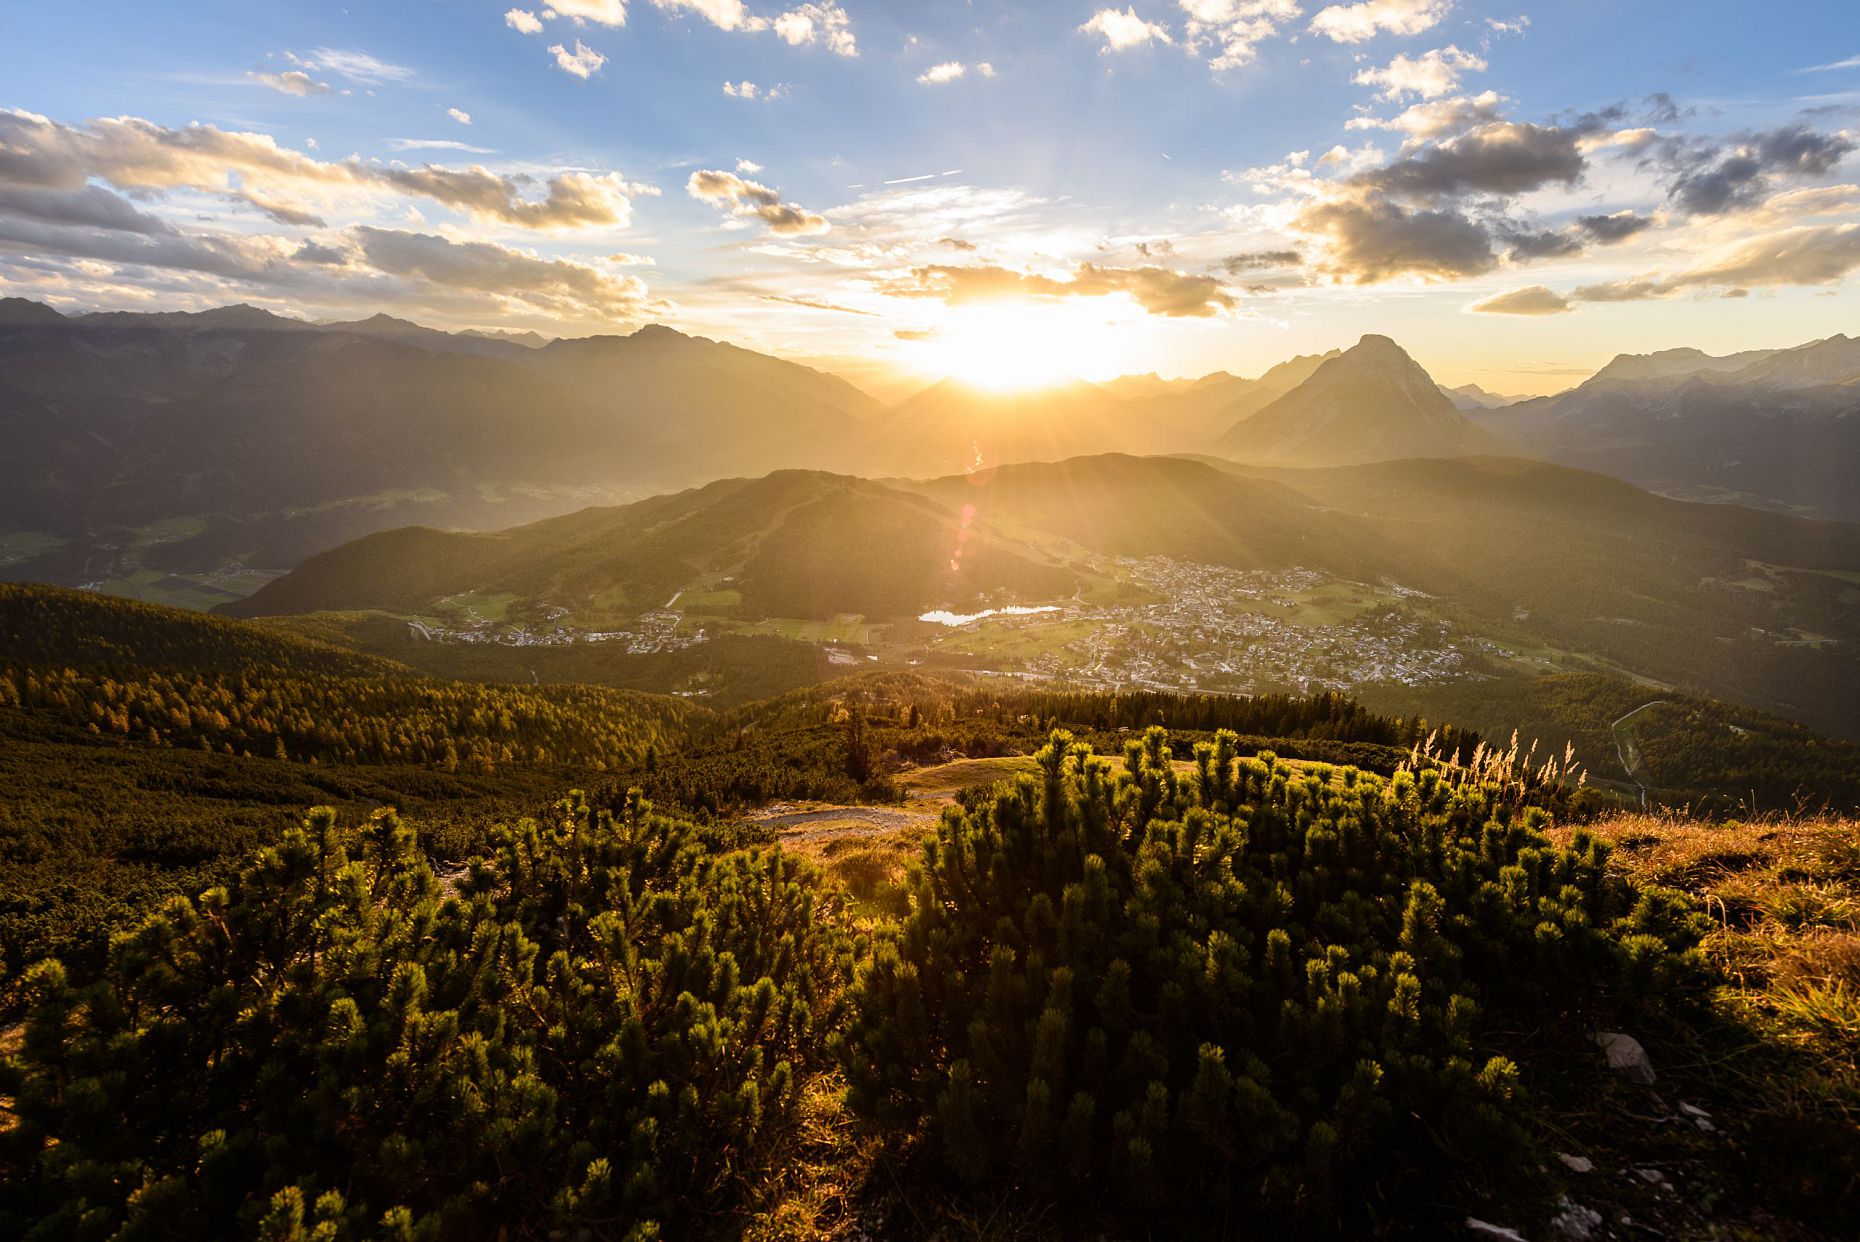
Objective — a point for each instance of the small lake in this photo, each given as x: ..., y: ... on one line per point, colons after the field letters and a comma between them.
x: 942, y: 617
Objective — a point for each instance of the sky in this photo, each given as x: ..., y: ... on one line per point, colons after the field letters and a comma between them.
x: 1012, y: 193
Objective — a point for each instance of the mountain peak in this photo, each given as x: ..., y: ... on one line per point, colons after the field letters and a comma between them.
x: 26, y: 313
x: 656, y: 332
x: 1373, y: 402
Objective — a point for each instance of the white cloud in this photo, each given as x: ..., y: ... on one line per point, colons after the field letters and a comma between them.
x: 138, y: 155
x: 1357, y: 23
x: 824, y: 22
x: 1533, y: 300
x: 523, y: 21
x: 750, y: 200
x: 1852, y: 62
x: 1123, y: 30
x: 1430, y: 75
x: 292, y: 82
x: 723, y: 14
x: 948, y: 71
x: 749, y: 90
x: 985, y: 69
x: 601, y: 12
x: 1439, y: 117
x: 460, y: 115
x: 748, y: 167
x: 353, y: 65
x: 437, y: 144
x: 1235, y: 27
x: 583, y: 62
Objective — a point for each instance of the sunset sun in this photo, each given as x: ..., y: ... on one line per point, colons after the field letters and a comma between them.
x: 1013, y: 345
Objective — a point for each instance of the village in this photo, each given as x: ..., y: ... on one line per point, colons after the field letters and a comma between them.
x: 1211, y: 628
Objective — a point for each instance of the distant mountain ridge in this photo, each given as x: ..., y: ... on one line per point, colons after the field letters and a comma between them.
x: 282, y: 436
x: 1773, y: 427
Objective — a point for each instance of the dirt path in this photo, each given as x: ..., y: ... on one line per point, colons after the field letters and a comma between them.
x: 825, y: 823
x: 1628, y: 752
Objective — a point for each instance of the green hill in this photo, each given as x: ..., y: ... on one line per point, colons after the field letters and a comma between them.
x: 794, y: 544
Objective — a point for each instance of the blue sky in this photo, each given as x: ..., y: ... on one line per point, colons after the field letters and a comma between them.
x: 1027, y: 191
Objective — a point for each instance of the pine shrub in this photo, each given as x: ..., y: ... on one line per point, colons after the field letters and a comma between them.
x: 1252, y: 999
x: 599, y: 1030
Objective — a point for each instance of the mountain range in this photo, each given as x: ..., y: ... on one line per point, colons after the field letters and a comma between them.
x: 187, y: 442
x: 1778, y: 428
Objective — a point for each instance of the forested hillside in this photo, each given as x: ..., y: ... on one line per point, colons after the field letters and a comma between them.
x: 1684, y: 751
x: 1554, y: 566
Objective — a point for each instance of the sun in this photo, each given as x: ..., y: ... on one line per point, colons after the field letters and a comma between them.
x: 1018, y: 344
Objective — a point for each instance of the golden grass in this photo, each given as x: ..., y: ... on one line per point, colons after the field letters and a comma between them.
x: 1785, y: 895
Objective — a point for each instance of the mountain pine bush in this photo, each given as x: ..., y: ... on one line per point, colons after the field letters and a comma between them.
x: 1250, y: 998
x: 599, y: 1030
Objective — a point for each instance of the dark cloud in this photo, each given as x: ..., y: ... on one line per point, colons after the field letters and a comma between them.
x: 1373, y: 239
x: 312, y: 252
x: 1525, y: 244
x: 90, y: 207
x: 1507, y: 158
x: 1615, y: 228
x: 556, y: 286
x: 1259, y: 260
x: 284, y: 213
x: 1709, y: 180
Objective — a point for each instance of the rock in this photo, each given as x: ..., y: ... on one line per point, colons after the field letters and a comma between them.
x: 1699, y: 1117
x: 1575, y: 1222
x: 1626, y: 1057
x: 1486, y: 1229
x: 1576, y: 1164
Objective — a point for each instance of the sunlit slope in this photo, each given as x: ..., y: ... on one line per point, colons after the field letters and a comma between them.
x: 794, y: 544
x: 1162, y: 506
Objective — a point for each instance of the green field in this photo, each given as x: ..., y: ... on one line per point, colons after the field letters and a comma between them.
x: 480, y: 606
x: 168, y: 530
x: 842, y: 629
x: 712, y: 600
x: 1015, y: 638
x: 151, y: 586
x: 23, y: 545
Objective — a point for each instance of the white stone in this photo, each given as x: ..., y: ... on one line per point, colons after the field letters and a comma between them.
x: 1626, y: 1057
x: 1486, y: 1229
x: 1576, y: 1164
x: 1574, y: 1222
